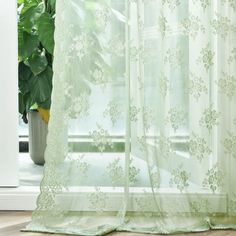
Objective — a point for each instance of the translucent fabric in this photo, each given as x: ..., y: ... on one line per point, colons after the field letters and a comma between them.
x: 142, y: 134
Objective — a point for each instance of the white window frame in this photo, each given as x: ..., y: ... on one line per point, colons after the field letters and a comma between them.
x: 9, y: 95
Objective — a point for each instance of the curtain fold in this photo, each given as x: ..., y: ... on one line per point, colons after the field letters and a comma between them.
x: 142, y: 134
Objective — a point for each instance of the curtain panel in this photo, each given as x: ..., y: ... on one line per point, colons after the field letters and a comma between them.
x: 142, y: 134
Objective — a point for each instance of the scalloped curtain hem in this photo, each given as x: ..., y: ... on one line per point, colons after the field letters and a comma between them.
x: 205, y: 225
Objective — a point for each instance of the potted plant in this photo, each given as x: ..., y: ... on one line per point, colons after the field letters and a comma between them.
x: 35, y: 58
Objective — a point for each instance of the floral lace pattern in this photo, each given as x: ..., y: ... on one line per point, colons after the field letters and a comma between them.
x: 197, y: 86
x: 204, y: 3
x: 210, y: 118
x: 163, y: 25
x: 115, y: 172
x: 142, y: 130
x: 155, y: 177
x: 80, y: 164
x: 134, y: 111
x: 164, y: 84
x: 198, y: 147
x: 201, y: 205
x: 232, y: 57
x: 227, y: 85
x: 101, y: 139
x: 164, y: 146
x: 222, y: 26
x: 229, y: 144
x: 174, y: 57
x: 172, y: 4
x: 232, y: 205
x: 192, y: 26
x: 97, y: 200
x: 147, y: 118
x: 232, y: 3
x: 213, y: 179
x: 180, y: 178
x: 176, y: 117
x: 206, y: 57
x: 133, y: 172
x: 113, y: 111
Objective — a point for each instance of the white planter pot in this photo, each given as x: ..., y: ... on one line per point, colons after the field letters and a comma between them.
x: 38, y: 131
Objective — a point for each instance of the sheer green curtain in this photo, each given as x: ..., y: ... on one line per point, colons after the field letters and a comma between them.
x: 142, y: 135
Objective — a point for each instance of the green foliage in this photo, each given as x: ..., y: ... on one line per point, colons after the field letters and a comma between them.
x: 46, y: 31
x: 35, y: 53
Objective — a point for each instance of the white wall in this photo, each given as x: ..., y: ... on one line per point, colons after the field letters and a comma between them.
x: 8, y: 94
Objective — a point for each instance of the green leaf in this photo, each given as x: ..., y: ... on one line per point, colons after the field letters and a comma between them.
x: 52, y: 3
x: 20, y: 1
x: 30, y: 14
x: 21, y: 103
x: 25, y: 102
x: 46, y: 104
x: 25, y: 75
x: 34, y: 106
x: 24, y: 72
x: 29, y: 102
x: 46, y: 31
x: 24, y: 87
x: 41, y: 86
x: 27, y: 43
x: 38, y: 62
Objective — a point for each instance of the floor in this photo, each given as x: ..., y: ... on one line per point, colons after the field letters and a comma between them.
x: 29, y: 173
x: 12, y: 222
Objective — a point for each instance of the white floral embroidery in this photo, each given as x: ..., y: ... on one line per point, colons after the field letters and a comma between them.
x: 174, y: 57
x: 164, y: 84
x: 97, y: 200
x: 227, y: 85
x: 101, y: 138
x: 163, y: 25
x: 210, y: 118
x: 113, y: 111
x: 80, y: 164
x: 222, y: 26
x: 176, y: 117
x: 76, y: 106
x: 142, y: 143
x: 206, y: 57
x: 133, y: 172
x: 80, y: 44
x: 232, y: 3
x: 134, y: 111
x: 200, y: 206
x: 198, y: 147
x: 229, y: 144
x: 204, y: 3
x: 164, y: 147
x: 192, y: 26
x: 99, y: 76
x: 197, y: 86
x: 147, y: 118
x: 115, y: 172
x: 172, y: 4
x: 213, y: 179
x: 180, y: 178
x: 232, y: 57
x: 116, y: 46
x: 102, y: 16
